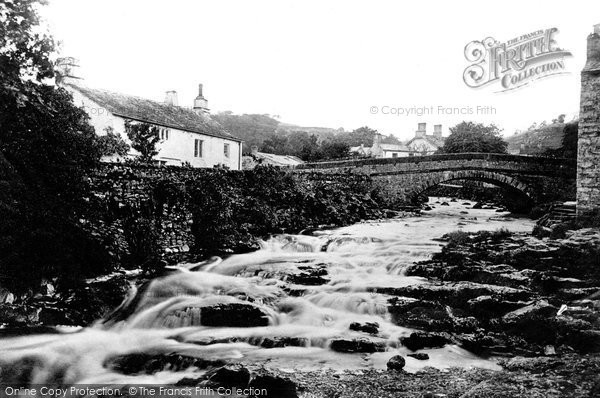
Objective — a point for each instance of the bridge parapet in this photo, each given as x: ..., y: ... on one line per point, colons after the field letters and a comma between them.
x: 402, y: 179
x: 455, y: 161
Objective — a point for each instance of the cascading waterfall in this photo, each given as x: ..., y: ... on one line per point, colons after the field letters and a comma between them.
x: 280, y: 306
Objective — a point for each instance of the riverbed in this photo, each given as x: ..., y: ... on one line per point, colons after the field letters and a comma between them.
x: 298, y: 294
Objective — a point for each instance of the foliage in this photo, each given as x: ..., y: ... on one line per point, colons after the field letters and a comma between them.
x: 253, y: 129
x: 474, y: 137
x: 46, y: 146
x: 363, y: 135
x: 334, y: 149
x: 112, y: 144
x: 230, y: 208
x: 317, y: 144
x: 24, y: 51
x: 568, y: 148
x: 144, y: 138
x: 141, y: 234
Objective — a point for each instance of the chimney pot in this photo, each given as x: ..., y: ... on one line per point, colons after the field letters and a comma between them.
x: 200, y: 103
x: 421, y: 131
x: 593, y: 50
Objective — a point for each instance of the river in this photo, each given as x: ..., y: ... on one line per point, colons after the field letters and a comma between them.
x: 163, y: 318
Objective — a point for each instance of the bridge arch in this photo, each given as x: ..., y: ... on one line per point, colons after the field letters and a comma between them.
x: 502, y: 180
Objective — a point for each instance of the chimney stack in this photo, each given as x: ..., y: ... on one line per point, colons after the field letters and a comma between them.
x: 253, y: 148
x: 376, y: 150
x: 200, y: 103
x: 171, y: 98
x: 421, y: 131
x: 437, y: 130
x: 67, y: 69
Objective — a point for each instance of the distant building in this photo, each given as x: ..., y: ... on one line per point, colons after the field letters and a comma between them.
x: 380, y: 150
x: 262, y: 158
x: 188, y: 135
x: 424, y: 144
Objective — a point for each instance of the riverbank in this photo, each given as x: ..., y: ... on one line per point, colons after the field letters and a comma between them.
x: 144, y: 218
x: 565, y: 377
x: 321, y: 315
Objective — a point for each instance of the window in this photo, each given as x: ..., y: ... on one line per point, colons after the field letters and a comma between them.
x: 198, y: 148
x: 164, y: 134
x: 226, y: 150
x: 394, y: 155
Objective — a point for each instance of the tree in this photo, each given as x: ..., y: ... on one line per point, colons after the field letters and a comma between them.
x: 474, y: 137
x: 112, y: 144
x: 144, y: 138
x: 363, y: 135
x: 47, y: 146
x: 334, y: 149
x: 568, y: 148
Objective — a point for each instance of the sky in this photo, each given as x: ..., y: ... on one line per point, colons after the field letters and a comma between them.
x: 323, y: 63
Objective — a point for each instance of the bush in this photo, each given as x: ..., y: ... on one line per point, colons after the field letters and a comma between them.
x: 142, y: 236
x: 230, y: 209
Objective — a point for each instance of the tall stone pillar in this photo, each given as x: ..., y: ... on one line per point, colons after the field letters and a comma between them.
x: 588, y: 151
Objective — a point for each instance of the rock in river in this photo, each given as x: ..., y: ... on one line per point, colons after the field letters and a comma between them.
x: 396, y: 362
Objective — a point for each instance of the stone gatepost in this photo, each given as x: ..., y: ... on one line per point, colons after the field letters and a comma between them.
x: 588, y: 151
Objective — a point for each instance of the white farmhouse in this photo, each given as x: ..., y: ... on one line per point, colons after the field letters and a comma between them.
x: 187, y: 135
x: 380, y: 150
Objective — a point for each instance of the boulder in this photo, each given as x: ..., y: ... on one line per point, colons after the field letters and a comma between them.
x: 275, y: 386
x: 367, y: 327
x: 536, y: 322
x: 429, y: 315
x: 396, y: 362
x: 419, y: 340
x: 285, y: 341
x: 230, y: 376
x: 357, y: 345
x: 421, y: 356
x: 219, y: 315
x: 491, y: 307
x: 584, y: 341
x: 456, y: 294
x: 145, y: 363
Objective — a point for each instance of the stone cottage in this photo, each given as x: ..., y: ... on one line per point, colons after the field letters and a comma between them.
x: 187, y: 135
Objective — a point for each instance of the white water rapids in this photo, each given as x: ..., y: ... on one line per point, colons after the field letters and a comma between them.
x: 358, y: 257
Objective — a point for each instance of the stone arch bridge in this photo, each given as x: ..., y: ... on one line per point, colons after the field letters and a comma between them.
x: 402, y: 180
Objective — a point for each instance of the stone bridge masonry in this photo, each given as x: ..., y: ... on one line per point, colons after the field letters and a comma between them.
x: 588, y: 152
x: 401, y: 180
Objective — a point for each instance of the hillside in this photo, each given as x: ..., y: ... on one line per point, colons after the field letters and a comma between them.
x: 536, y: 140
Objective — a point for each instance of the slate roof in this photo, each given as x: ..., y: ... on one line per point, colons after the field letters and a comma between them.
x: 439, y: 142
x: 394, y: 147
x: 361, y: 148
x: 279, y: 160
x: 145, y: 110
